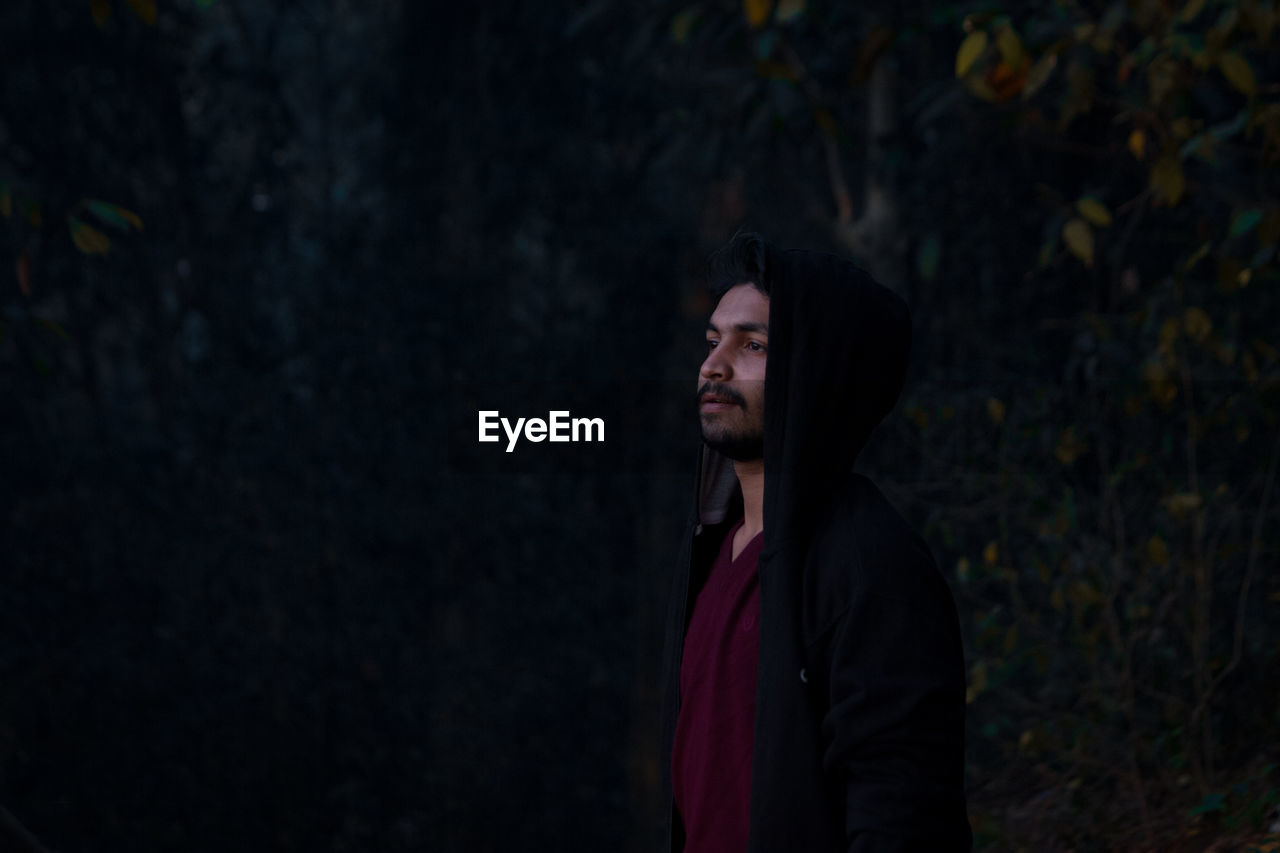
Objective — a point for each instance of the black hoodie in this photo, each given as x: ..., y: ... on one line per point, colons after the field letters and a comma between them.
x: 859, y: 718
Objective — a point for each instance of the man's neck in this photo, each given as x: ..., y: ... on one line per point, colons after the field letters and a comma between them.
x: 751, y: 479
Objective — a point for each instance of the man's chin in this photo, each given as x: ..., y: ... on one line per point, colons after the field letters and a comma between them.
x: 738, y: 448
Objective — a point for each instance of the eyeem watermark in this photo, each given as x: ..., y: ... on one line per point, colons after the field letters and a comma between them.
x: 557, y: 427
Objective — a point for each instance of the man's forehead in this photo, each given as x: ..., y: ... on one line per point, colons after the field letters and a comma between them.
x: 741, y: 304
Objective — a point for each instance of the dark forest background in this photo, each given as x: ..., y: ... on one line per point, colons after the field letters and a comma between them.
x: 261, y: 263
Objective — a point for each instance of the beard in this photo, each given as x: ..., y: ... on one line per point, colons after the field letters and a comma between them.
x: 739, y: 445
x: 741, y: 442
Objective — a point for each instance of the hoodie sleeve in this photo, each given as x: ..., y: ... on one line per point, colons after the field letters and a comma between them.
x: 895, y: 725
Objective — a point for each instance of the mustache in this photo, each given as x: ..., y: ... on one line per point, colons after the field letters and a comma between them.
x: 722, y: 391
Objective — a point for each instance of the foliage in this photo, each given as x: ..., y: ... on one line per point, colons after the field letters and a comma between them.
x: 243, y: 567
x: 1107, y: 506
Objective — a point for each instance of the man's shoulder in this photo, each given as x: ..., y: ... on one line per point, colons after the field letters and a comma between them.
x: 858, y: 514
x: 861, y: 543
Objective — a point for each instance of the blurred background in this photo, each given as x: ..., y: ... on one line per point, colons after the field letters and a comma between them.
x: 262, y: 262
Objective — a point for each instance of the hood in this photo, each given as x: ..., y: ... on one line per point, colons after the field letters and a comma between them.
x: 839, y: 343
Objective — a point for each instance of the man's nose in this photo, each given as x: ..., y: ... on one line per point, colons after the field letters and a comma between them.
x: 715, y: 367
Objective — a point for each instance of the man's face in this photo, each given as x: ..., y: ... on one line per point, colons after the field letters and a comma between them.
x: 731, y: 380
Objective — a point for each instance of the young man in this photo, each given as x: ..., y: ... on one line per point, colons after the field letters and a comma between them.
x: 814, y: 689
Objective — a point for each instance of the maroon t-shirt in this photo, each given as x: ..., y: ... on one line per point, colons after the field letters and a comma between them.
x: 711, y: 758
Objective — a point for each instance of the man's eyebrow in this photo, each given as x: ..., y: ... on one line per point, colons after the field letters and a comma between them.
x: 762, y: 328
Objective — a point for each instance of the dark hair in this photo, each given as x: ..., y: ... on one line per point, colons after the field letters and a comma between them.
x: 740, y: 262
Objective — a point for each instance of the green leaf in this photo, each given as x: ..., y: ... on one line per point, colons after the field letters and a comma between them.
x: 53, y: 327
x: 1210, y: 803
x: 1245, y: 221
x: 682, y: 24
x: 970, y: 49
x: 1262, y: 257
x: 927, y: 257
x: 788, y: 11
x: 114, y: 214
x: 1047, y: 248
x: 765, y: 44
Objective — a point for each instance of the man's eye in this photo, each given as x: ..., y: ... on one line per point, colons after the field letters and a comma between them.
x: 756, y: 346
x: 711, y: 343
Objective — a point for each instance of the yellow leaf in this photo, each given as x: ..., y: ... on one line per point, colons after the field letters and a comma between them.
x: 1138, y: 144
x: 1039, y: 74
x: 1024, y: 740
x: 1057, y: 599
x: 1236, y: 69
x: 978, y: 85
x: 1264, y: 21
x: 88, y: 239
x: 1094, y: 211
x: 682, y: 24
x: 1162, y: 75
x: 1269, y: 228
x: 1069, y: 446
x: 991, y: 553
x: 1182, y: 127
x: 1010, y: 46
x: 827, y: 122
x: 146, y: 9
x: 1181, y: 503
x: 1191, y: 11
x: 1157, y: 551
x: 1218, y: 34
x: 1167, y: 179
x: 1083, y: 594
x: 771, y: 69
x: 23, y: 269
x: 1079, y: 239
x: 977, y: 681
x: 1159, y: 385
x: 788, y: 10
x: 1249, y: 367
x: 995, y: 410
x: 101, y: 10
x: 757, y: 12
x: 130, y: 217
x: 970, y: 49
x: 1197, y: 324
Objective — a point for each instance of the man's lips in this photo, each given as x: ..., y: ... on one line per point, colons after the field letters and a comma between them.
x: 713, y: 403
